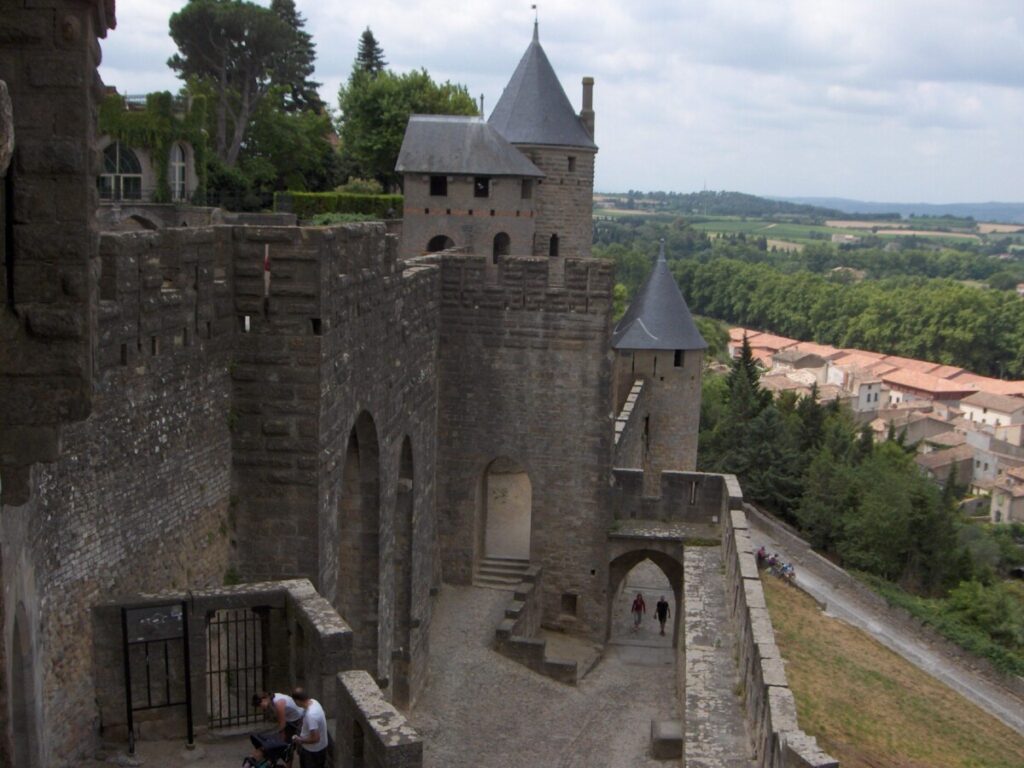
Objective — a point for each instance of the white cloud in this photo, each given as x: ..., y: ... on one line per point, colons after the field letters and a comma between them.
x: 910, y: 100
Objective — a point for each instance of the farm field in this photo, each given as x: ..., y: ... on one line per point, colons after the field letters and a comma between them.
x: 794, y: 235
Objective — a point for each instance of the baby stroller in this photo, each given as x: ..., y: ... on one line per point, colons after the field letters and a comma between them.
x: 268, y: 751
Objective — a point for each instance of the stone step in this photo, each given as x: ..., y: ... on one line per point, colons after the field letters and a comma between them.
x: 517, y: 561
x: 509, y: 583
x: 504, y: 567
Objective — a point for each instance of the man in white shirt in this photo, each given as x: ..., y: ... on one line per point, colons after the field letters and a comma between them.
x: 312, y: 740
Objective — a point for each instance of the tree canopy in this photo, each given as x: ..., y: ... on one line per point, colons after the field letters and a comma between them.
x: 375, y: 109
x: 240, y: 50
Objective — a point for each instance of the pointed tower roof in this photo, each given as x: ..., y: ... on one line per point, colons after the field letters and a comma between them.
x: 533, y: 108
x: 658, y: 317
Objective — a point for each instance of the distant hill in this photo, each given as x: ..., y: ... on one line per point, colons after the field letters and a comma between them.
x: 1006, y: 212
x: 711, y: 203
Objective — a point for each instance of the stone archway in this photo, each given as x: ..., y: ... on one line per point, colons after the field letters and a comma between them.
x: 507, y: 499
x: 440, y: 243
x: 620, y: 568
x: 402, y: 564
x: 358, y: 592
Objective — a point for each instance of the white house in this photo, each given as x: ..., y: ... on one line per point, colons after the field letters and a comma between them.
x: 993, y: 410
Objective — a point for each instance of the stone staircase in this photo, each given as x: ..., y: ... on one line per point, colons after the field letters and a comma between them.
x: 500, y: 572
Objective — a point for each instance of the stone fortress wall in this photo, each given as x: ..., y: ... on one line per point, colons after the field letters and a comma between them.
x: 525, y: 375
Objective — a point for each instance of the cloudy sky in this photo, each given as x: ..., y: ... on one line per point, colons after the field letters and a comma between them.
x: 894, y: 100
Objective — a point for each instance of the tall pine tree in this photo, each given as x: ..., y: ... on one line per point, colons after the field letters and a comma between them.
x: 295, y: 66
x: 370, y: 56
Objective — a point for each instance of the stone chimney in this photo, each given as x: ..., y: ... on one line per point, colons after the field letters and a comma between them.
x: 587, y: 112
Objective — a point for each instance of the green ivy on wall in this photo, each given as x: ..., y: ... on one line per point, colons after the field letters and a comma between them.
x: 156, y: 129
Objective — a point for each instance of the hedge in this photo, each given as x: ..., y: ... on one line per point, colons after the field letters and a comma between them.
x: 306, y: 205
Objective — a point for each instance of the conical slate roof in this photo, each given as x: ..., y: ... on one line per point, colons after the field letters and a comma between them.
x: 533, y: 108
x: 658, y: 317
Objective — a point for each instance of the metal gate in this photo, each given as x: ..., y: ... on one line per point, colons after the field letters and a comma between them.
x: 236, y: 665
x: 156, y: 662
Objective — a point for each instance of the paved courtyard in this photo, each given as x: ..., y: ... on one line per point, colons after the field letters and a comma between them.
x: 485, y: 711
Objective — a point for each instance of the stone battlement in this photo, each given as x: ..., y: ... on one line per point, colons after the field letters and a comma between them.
x: 528, y: 283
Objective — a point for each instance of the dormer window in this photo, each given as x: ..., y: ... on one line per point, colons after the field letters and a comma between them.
x: 438, y: 186
x: 481, y: 186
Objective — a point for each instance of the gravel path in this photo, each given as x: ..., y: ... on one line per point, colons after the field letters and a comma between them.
x: 847, y: 607
x: 481, y: 710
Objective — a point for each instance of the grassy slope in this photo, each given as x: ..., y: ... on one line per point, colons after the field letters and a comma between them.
x: 869, y: 707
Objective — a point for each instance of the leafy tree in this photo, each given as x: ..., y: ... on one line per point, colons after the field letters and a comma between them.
x: 295, y: 67
x: 375, y: 110
x: 370, y: 56
x: 618, y: 302
x: 290, y: 150
x: 236, y: 48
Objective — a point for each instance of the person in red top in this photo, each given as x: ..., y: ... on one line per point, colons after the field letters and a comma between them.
x: 639, y: 609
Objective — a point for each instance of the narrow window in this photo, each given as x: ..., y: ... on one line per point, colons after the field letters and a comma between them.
x: 154, y: 345
x: 677, y: 358
x: 438, y: 186
x: 502, y: 246
x: 317, y: 327
x: 177, y: 173
x: 209, y: 329
x: 655, y: 371
x: 124, y: 354
x: 246, y: 323
x: 481, y: 186
x: 527, y: 190
x: 572, y: 163
x: 553, y: 246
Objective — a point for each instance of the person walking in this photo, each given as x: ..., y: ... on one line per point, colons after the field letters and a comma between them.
x: 639, y: 609
x: 312, y: 739
x: 661, y: 611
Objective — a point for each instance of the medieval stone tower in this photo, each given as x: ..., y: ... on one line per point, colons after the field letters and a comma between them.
x: 535, y: 116
x: 660, y: 355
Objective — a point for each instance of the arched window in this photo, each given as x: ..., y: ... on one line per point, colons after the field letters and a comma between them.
x: 176, y: 175
x: 502, y: 245
x: 122, y: 174
x: 440, y: 243
x: 553, y: 246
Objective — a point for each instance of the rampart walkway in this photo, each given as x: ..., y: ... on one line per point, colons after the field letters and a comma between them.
x: 849, y: 607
